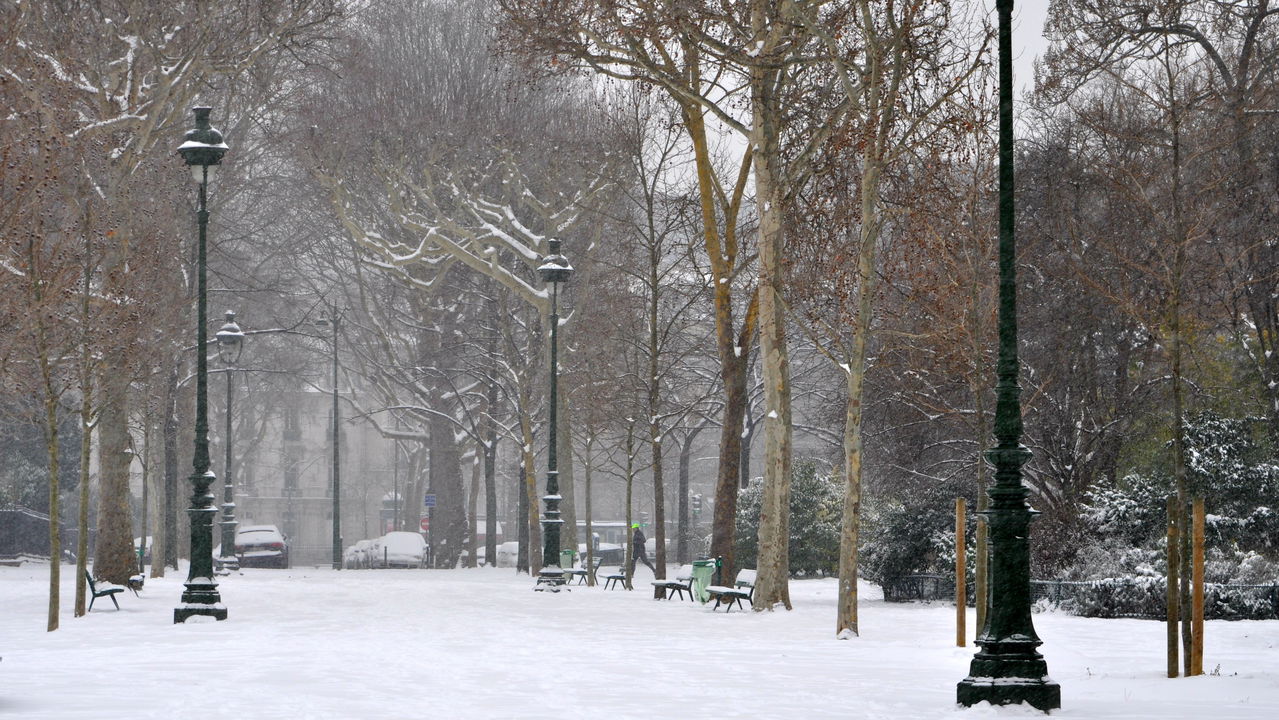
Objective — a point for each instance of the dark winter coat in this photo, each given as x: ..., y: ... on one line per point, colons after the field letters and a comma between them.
x: 637, y: 544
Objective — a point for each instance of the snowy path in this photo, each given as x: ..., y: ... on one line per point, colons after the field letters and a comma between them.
x: 307, y: 643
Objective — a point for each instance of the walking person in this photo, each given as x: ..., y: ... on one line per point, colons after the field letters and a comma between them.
x: 638, y: 551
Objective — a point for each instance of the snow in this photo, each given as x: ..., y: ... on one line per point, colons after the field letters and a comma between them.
x: 318, y: 643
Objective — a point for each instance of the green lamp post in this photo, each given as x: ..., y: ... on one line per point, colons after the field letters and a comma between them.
x: 1008, y: 669
x: 230, y: 345
x: 202, y: 151
x: 330, y: 320
x: 554, y: 270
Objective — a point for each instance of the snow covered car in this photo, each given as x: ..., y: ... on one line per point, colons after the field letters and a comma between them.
x: 262, y: 546
x: 357, y: 556
x: 507, y: 553
x: 399, y: 549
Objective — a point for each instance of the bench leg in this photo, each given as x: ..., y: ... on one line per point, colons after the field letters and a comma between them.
x: 95, y: 597
x: 113, y: 602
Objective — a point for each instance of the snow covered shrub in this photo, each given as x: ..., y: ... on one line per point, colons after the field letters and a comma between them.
x: 1119, y: 597
x: 909, y: 538
x: 1229, y: 465
x: 816, y: 513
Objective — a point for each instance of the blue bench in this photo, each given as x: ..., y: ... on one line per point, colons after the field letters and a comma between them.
x: 743, y: 589
x: 106, y: 590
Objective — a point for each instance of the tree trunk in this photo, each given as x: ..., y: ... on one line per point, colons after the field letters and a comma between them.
x: 588, y: 560
x: 533, y: 518
x: 82, y: 521
x: 629, y: 553
x: 55, y: 516
x: 522, y: 524
x: 168, y: 551
x: 490, y: 498
x: 771, y: 586
x: 564, y: 464
x: 654, y: 427
x: 851, y: 528
x: 683, y: 546
x: 473, y: 501
x: 659, y: 510
x: 448, y: 518
x: 490, y: 448
x: 113, y: 556
x: 733, y: 351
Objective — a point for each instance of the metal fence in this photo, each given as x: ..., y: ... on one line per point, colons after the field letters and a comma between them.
x: 1130, y: 597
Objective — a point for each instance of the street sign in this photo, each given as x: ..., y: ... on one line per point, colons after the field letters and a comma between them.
x: 430, y: 500
x: 426, y: 524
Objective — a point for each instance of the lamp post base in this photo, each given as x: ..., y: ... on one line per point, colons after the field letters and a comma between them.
x: 180, y: 615
x: 1009, y: 679
x: 200, y: 598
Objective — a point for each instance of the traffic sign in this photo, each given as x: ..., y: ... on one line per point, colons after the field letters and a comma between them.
x: 429, y: 501
x: 426, y: 524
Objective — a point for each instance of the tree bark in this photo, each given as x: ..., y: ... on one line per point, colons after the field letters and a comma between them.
x: 55, y: 516
x: 772, y: 582
x: 564, y: 463
x: 448, y: 530
x: 113, y: 556
x: 533, y: 518
x: 167, y: 554
x: 473, y: 501
x: 851, y: 527
x: 733, y: 350
x: 683, y: 546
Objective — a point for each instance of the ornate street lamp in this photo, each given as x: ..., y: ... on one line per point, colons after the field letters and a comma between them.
x: 327, y: 320
x: 202, y: 152
x: 230, y: 345
x: 554, y: 270
x: 1008, y: 669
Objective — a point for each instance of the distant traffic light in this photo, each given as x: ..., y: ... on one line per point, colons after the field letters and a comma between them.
x: 697, y: 504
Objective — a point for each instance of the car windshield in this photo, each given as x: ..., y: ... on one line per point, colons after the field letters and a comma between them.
x: 404, y: 542
x: 259, y: 535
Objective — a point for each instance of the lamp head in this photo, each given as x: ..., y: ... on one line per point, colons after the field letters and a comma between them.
x: 230, y: 340
x: 554, y: 267
x: 203, y: 147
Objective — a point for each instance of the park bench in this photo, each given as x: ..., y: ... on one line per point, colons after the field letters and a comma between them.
x: 683, y: 583
x: 743, y: 589
x: 615, y: 578
x: 582, y: 573
x: 106, y: 590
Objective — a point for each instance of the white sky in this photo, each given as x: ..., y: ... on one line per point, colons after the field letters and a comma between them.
x: 1028, y: 40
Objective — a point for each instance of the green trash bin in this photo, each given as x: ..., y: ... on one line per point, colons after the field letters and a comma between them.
x: 703, y: 572
x: 566, y: 559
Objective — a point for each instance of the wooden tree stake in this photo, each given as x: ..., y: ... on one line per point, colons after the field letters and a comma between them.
x: 1197, y: 599
x: 961, y: 592
x: 1173, y: 599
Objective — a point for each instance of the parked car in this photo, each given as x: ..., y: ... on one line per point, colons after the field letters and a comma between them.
x: 508, y: 553
x: 358, y: 554
x: 399, y: 549
x: 262, y: 546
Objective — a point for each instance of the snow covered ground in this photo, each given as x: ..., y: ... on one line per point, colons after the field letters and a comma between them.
x: 374, y: 644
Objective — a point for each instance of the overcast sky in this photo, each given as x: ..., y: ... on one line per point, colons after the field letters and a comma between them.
x: 1028, y: 40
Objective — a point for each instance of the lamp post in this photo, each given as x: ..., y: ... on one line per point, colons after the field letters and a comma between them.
x: 331, y: 319
x: 202, y: 151
x: 554, y: 270
x: 1008, y: 669
x: 230, y: 345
